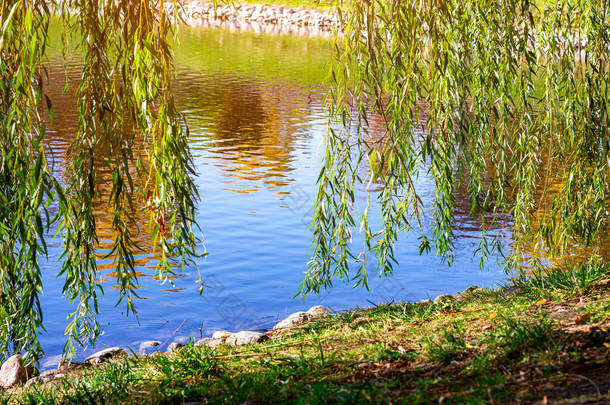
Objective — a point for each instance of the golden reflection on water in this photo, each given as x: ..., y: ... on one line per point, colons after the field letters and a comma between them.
x: 575, y: 250
x: 250, y: 127
x: 253, y: 129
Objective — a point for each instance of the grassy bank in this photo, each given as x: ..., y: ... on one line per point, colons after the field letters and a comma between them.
x: 545, y: 340
x: 320, y: 5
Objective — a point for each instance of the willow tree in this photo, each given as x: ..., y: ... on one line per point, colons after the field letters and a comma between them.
x: 124, y: 96
x: 513, y: 99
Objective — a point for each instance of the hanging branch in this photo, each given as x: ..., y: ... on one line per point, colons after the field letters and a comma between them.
x: 129, y: 133
x: 514, y: 95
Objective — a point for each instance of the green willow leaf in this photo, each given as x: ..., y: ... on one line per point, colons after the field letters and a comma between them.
x: 128, y: 125
x: 503, y: 101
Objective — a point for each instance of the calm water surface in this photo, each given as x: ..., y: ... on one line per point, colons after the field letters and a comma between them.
x: 254, y: 104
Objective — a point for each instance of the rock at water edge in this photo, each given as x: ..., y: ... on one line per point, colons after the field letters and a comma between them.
x: 221, y: 334
x: 244, y: 338
x: 293, y: 320
x: 13, y: 372
x: 174, y: 347
x: 318, y: 311
x: 104, y: 354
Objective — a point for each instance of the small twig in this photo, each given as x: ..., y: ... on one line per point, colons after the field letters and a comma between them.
x: 255, y: 327
x: 173, y: 333
x: 599, y: 394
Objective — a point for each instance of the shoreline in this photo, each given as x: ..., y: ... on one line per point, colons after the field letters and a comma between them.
x: 246, y: 337
x: 295, y: 319
x: 545, y: 338
x: 260, y: 18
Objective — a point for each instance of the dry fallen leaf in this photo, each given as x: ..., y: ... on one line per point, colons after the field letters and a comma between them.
x: 582, y: 318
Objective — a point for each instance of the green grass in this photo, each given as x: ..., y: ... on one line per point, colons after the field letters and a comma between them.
x: 447, y: 347
x: 567, y: 281
x: 482, y: 347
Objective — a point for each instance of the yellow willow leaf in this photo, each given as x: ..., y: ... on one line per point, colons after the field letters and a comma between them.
x: 583, y: 318
x: 493, y: 316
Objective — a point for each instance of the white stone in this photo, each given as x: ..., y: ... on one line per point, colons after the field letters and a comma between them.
x: 105, y: 354
x: 150, y: 343
x: 174, y: 347
x: 318, y: 311
x: 202, y: 342
x: 293, y: 320
x: 213, y: 343
x: 245, y: 337
x: 221, y: 334
x: 144, y: 346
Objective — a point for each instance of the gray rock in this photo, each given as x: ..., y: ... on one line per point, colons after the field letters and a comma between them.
x: 174, y: 347
x: 213, y: 343
x: 36, y: 381
x: 147, y: 345
x: 104, y: 355
x: 45, y: 377
x: 245, y: 337
x: 293, y: 320
x: 317, y: 311
x: 14, y: 372
x: 470, y: 289
x: 444, y: 298
x: 512, y: 290
x: 67, y: 365
x: 221, y: 334
x: 424, y: 302
x: 150, y: 343
x: 202, y: 342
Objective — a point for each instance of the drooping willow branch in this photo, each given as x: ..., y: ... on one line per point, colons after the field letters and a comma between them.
x: 514, y: 95
x: 125, y: 97
x: 25, y: 179
x: 130, y: 150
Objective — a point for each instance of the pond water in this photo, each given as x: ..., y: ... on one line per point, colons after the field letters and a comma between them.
x: 254, y: 104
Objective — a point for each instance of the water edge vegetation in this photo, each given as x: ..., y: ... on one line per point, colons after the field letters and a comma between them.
x: 540, y: 340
